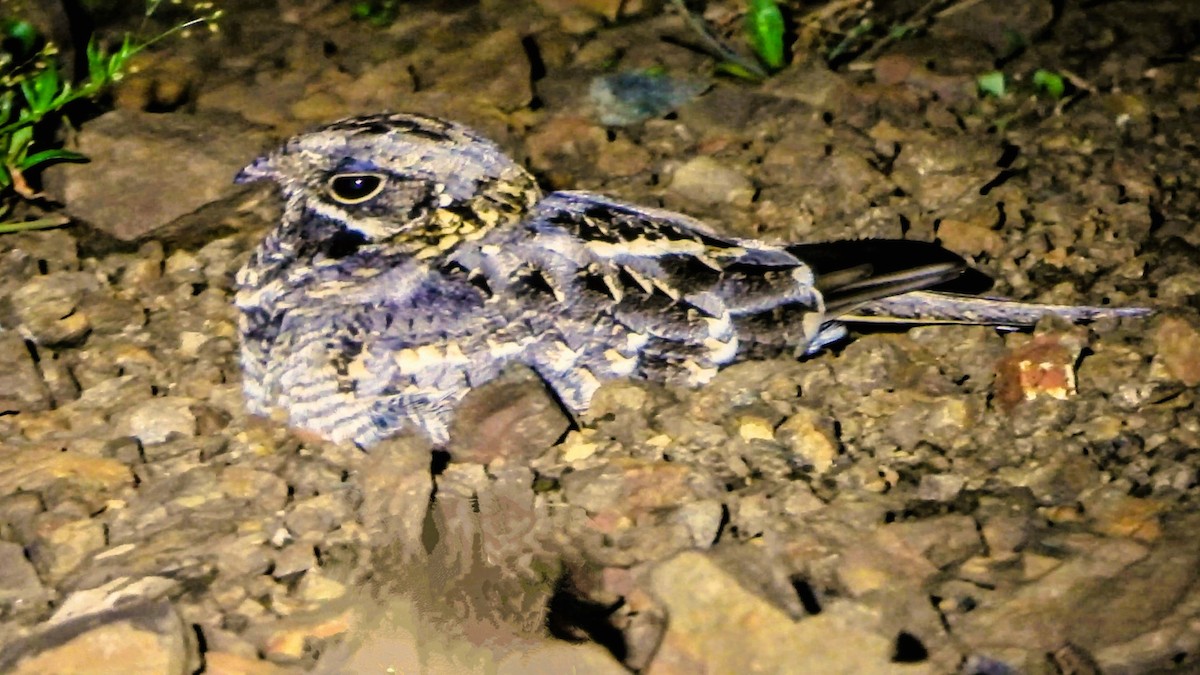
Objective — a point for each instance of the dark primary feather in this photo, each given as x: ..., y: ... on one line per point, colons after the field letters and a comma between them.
x: 414, y: 260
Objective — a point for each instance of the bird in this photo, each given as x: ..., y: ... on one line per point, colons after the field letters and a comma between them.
x: 415, y: 260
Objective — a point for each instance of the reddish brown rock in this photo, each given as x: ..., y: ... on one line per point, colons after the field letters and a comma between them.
x: 1043, y: 367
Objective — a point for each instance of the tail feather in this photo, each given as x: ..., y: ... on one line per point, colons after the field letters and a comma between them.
x: 853, y: 272
x: 912, y: 282
x: 938, y: 307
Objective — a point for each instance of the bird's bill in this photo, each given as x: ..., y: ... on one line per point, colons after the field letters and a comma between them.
x: 262, y: 168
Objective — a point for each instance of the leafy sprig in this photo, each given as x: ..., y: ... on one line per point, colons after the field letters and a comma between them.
x: 34, y: 96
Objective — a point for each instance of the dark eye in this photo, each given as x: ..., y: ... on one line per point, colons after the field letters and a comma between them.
x: 355, y: 188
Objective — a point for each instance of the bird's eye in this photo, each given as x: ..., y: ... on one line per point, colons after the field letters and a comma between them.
x: 355, y: 188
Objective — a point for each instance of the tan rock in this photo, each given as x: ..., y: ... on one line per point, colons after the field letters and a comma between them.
x: 707, y: 181
x: 970, y: 237
x: 287, y: 643
x: 809, y: 435
x: 149, y: 639
x: 62, y: 547
x: 716, y: 626
x: 96, y: 479
x: 1177, y: 346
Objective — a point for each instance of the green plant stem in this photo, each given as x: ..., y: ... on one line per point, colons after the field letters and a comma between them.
x: 39, y: 224
x: 716, y: 47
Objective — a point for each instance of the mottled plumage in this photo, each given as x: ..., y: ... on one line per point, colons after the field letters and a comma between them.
x: 414, y: 260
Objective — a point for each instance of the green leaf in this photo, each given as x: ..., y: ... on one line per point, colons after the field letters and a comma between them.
x: 40, y: 90
x: 765, y: 27
x: 97, y: 64
x: 1050, y: 82
x: 51, y: 155
x: 739, y: 71
x: 991, y: 83
x: 18, y: 143
x: 6, y: 106
x: 24, y: 34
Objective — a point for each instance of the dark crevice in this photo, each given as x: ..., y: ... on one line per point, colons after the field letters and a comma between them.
x: 806, y: 595
x: 909, y: 649
x: 574, y: 618
x: 1000, y: 179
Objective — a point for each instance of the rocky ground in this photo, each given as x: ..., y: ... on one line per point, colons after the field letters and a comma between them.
x: 941, y: 499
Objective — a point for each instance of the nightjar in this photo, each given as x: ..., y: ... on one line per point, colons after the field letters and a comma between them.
x: 415, y: 260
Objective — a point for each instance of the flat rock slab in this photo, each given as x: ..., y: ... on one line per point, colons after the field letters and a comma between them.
x: 146, y: 170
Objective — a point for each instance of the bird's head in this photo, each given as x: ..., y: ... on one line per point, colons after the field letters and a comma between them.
x: 412, y: 183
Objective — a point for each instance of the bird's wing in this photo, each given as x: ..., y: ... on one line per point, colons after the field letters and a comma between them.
x: 638, y: 251
x: 662, y: 289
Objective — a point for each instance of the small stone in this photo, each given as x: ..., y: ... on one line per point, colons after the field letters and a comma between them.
x: 155, y: 420
x: 396, y: 487
x: 562, y: 143
x: 315, y: 587
x: 21, y: 592
x: 704, y: 180
x: 1005, y: 534
x: 184, y: 266
x: 970, y: 237
x: 808, y: 435
x: 62, y: 546
x: 940, y: 487
x: 1177, y: 350
x: 631, y: 97
x: 942, y: 540
x: 242, y: 556
x: 1045, y: 367
x: 293, y: 561
x: 92, y: 479
x: 752, y: 428
x: 287, y: 644
x: 21, y: 385
x: 576, y: 449
x: 1117, y: 514
x: 633, y: 487
x: 702, y: 520
x: 49, y: 307
x: 261, y: 488
x: 512, y: 417
x: 318, y: 515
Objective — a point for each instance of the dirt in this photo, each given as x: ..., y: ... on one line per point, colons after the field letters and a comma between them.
x: 935, y: 499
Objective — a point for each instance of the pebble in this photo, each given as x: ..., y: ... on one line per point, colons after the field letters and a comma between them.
x: 21, y: 591
x: 156, y: 420
x: 808, y: 436
x: 1177, y: 346
x: 1044, y: 367
x: 704, y: 180
x: 21, y: 385
x: 940, y: 487
x: 512, y: 418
